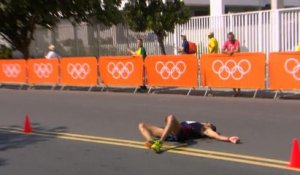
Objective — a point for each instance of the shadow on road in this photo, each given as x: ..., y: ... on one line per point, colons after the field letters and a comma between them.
x: 2, y: 162
x: 14, y: 140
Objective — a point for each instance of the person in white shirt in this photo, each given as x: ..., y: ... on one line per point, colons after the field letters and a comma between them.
x: 51, y: 53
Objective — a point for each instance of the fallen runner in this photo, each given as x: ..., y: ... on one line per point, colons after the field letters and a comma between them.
x: 180, y: 132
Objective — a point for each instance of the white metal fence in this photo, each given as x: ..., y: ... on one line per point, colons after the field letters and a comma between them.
x: 260, y: 31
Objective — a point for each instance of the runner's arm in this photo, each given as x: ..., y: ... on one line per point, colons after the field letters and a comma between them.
x: 212, y: 134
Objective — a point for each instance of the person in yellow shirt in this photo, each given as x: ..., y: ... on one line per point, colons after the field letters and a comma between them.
x: 298, y: 48
x: 213, y: 45
x: 141, y: 51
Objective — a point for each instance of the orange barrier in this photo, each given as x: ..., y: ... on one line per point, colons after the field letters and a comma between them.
x: 42, y: 71
x: 172, y: 70
x: 13, y: 71
x: 284, y: 70
x: 242, y: 70
x: 121, y: 70
x: 79, y: 71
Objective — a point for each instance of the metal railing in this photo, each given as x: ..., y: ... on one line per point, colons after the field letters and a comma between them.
x: 260, y: 31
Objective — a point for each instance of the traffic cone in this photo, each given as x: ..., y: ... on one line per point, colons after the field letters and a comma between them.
x: 27, y: 125
x: 295, y: 155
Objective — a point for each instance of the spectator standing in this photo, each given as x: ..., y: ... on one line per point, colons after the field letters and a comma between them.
x: 141, y: 51
x: 184, y: 48
x: 51, y: 53
x: 213, y: 45
x: 230, y: 47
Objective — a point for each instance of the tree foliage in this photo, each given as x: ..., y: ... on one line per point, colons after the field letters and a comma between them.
x: 156, y: 15
x: 19, y: 18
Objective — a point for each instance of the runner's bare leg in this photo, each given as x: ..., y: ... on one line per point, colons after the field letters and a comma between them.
x: 150, y: 131
x: 172, y: 127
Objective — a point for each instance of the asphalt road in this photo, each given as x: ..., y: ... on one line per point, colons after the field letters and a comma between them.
x: 265, y: 126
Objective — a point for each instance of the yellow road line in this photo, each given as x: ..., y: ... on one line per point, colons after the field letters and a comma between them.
x: 253, y: 160
x: 235, y: 155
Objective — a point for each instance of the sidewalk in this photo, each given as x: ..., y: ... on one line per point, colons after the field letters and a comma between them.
x: 214, y: 92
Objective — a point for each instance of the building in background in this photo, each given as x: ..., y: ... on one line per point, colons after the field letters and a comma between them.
x: 205, y: 7
x: 209, y: 7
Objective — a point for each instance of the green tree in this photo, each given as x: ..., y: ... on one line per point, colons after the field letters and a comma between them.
x: 19, y: 18
x: 156, y: 15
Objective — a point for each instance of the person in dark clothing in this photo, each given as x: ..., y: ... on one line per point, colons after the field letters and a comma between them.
x: 184, y: 49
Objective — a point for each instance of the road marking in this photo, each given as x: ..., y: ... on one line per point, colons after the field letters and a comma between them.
x: 246, y: 159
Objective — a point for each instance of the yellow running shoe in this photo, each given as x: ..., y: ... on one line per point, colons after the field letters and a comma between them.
x: 156, y: 145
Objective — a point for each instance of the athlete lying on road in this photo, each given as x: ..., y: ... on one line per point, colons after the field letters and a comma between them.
x: 175, y: 131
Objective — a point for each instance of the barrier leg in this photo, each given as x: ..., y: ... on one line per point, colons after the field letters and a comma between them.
x: 149, y: 90
x: 276, y: 93
x: 280, y: 92
x: 206, y: 91
x: 90, y: 88
x: 135, y: 90
x: 255, y: 93
x: 189, y: 92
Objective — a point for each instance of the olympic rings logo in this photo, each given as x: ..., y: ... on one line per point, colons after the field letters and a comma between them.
x: 11, y: 70
x: 78, y: 71
x: 42, y: 70
x: 231, y: 68
x: 120, y: 70
x: 170, y: 69
x: 292, y: 66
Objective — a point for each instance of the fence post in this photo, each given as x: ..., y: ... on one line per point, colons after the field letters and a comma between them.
x: 231, y: 22
x: 276, y: 30
x: 75, y: 39
x: 260, y: 31
x: 98, y: 38
x: 175, y: 40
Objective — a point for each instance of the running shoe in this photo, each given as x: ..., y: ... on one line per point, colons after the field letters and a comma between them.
x: 156, y: 145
